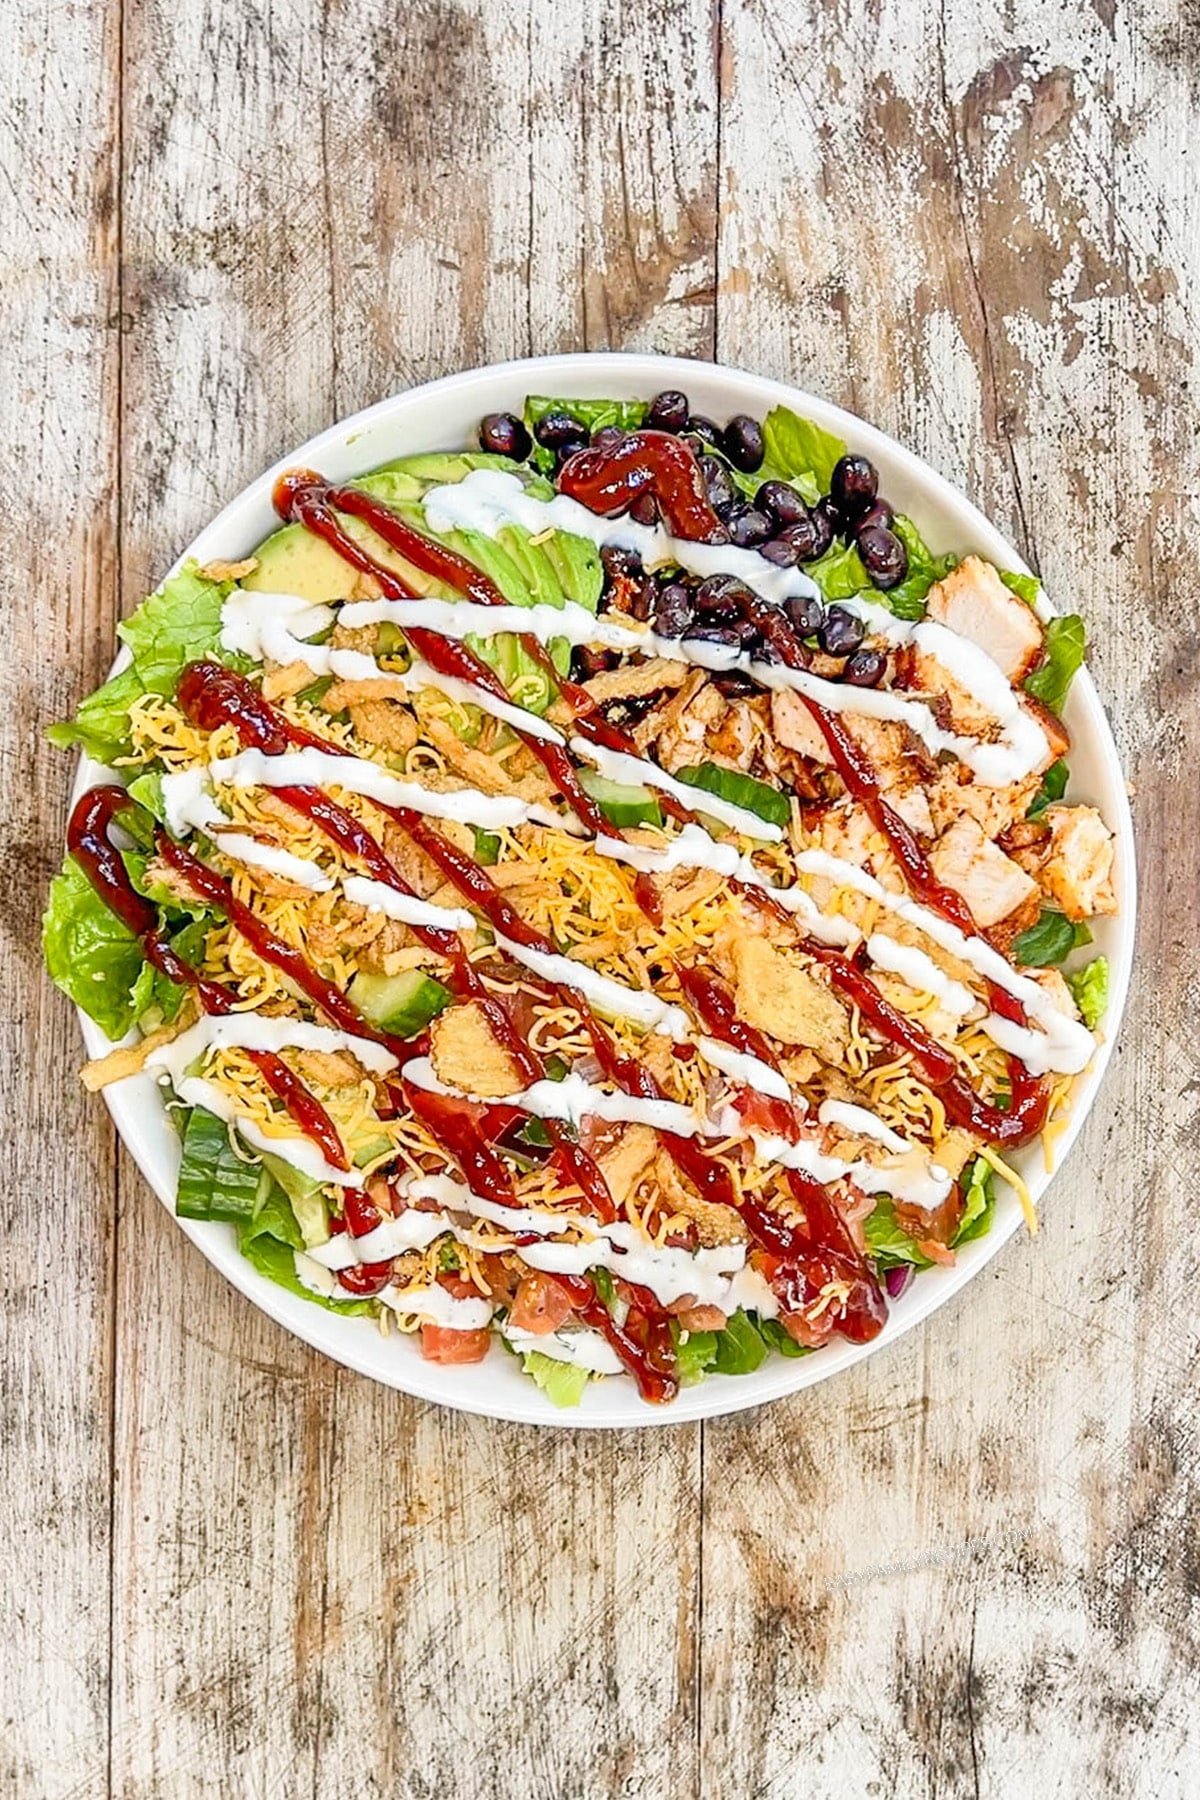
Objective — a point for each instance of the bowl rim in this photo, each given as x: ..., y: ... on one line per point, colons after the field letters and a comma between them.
x: 135, y: 1106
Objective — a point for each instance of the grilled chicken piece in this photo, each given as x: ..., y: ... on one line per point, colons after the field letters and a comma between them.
x: 994, y: 810
x: 957, y: 707
x: 466, y: 1055
x: 385, y: 723
x: 973, y: 601
x: 992, y: 884
x: 781, y: 998
x: 795, y: 728
x: 1077, y: 870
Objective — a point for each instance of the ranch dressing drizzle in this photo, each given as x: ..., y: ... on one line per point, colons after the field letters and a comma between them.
x: 921, y: 973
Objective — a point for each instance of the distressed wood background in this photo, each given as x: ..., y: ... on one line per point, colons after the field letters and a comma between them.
x: 972, y: 1565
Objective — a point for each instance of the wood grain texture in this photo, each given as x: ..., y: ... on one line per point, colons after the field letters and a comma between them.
x: 968, y: 1567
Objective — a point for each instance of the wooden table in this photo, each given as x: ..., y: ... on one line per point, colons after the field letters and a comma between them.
x: 971, y: 1565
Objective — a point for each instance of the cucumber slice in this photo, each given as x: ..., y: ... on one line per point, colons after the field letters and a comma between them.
x: 487, y: 847
x: 766, y: 802
x: 402, y: 1004
x: 621, y: 805
x: 214, y: 1183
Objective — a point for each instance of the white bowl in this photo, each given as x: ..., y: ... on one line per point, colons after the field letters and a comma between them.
x: 444, y: 415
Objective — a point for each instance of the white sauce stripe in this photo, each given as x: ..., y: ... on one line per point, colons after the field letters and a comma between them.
x: 921, y: 973
x: 377, y: 896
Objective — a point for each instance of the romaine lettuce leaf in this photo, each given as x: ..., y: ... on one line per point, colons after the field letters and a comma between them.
x: 797, y: 447
x: 1065, y: 646
x: 979, y: 1203
x: 593, y: 415
x: 1090, y: 988
x: 561, y: 1382
x: 888, y: 1244
x: 907, y: 598
x: 1026, y: 587
x: 178, y: 623
x: 91, y: 955
x: 740, y: 1348
x: 1054, y: 786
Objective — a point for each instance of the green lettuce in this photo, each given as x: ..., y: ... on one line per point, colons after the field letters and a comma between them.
x: 694, y: 1355
x: 888, y: 1244
x: 797, y: 449
x: 1049, y: 942
x: 269, y: 1243
x: 1026, y: 587
x: 1063, y: 652
x: 1054, y: 786
x: 179, y: 622
x: 561, y: 1382
x: 593, y: 415
x: 740, y: 1347
x: 979, y: 1203
x: 840, y: 573
x: 907, y: 598
x: 91, y: 955
x: 1089, y: 985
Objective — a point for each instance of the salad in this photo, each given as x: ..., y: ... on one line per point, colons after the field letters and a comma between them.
x: 609, y: 896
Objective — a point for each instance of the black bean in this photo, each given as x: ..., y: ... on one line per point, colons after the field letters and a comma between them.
x: 780, y: 501
x: 802, y: 536
x: 841, y: 632
x: 674, y: 610
x: 607, y: 437
x: 723, y: 597
x: 884, y: 556
x: 827, y: 522
x: 734, y: 684
x: 644, y: 510
x: 749, y: 527
x: 878, y: 513
x: 853, y: 485
x: 718, y: 634
x: 620, y: 562
x: 503, y: 434
x: 568, y: 448
x: 742, y: 442
x: 865, y: 668
x: 805, y: 613
x: 718, y: 482
x: 556, y: 428
x: 780, y: 551
x: 707, y: 430
x: 667, y: 411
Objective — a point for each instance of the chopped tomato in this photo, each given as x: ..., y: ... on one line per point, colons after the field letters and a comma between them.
x: 457, y: 1286
x: 440, y: 1344
x: 702, y: 1318
x: 763, y: 1112
x: 541, y: 1305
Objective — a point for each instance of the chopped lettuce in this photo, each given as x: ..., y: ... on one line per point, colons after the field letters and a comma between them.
x: 774, y: 1334
x: 593, y: 415
x: 840, y: 573
x: 178, y: 623
x: 1025, y: 587
x: 1049, y: 942
x: 907, y: 598
x: 1054, y: 786
x: 1090, y: 988
x: 796, y: 449
x: 269, y: 1243
x: 1063, y: 653
x: 695, y: 1355
x: 979, y: 1203
x: 561, y: 1382
x: 740, y: 1347
x: 888, y: 1244
x: 216, y: 1181
x: 91, y: 955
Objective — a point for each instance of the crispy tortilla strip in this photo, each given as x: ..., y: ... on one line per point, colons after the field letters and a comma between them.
x: 328, y: 1068
x: 102, y: 1071
x: 624, y: 1165
x: 632, y: 680
x: 385, y: 723
x: 229, y: 571
x: 345, y: 694
x: 282, y: 684
x: 715, y: 1225
x: 781, y: 998
x: 482, y: 771
x: 466, y: 1055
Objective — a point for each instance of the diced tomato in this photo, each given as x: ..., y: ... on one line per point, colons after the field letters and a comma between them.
x: 764, y: 1112
x: 440, y: 1344
x: 702, y: 1318
x: 541, y: 1305
x: 457, y: 1286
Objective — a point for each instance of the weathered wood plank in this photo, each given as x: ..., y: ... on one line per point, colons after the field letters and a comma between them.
x: 322, y: 1586
x: 964, y: 1568
x: 58, y: 506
